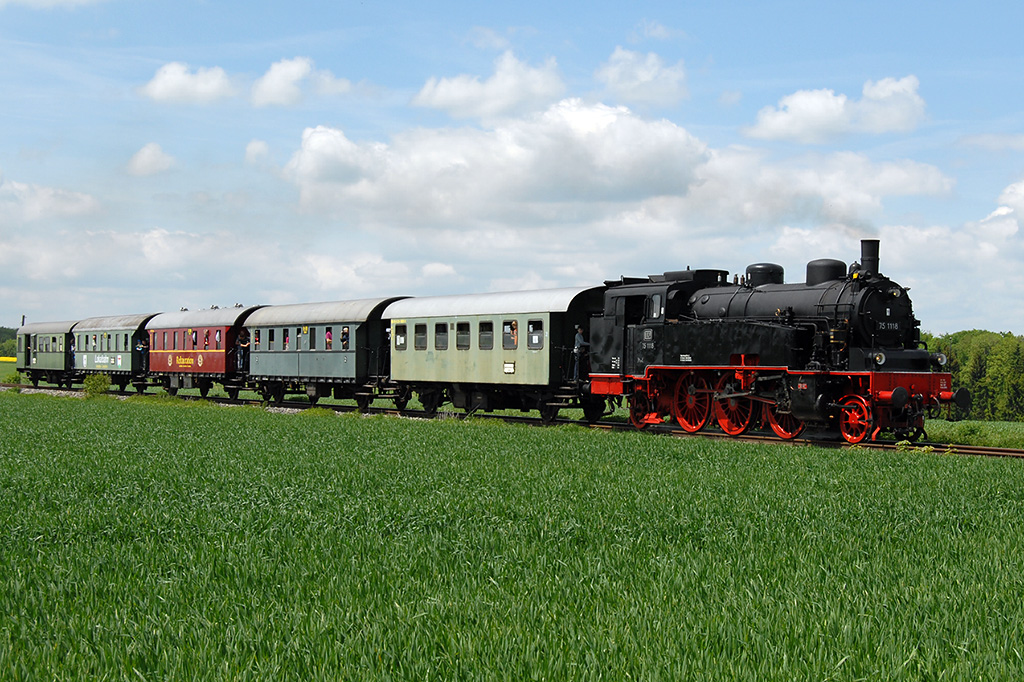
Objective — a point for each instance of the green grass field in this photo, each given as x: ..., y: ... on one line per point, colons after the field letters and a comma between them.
x: 151, y: 539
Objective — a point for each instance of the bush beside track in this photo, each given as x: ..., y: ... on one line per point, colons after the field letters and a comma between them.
x: 189, y: 540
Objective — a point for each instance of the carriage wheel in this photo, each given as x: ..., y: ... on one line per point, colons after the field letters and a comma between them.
x: 363, y: 402
x: 785, y: 426
x: 548, y: 413
x: 233, y: 393
x: 733, y: 414
x: 401, y: 400
x: 855, y: 418
x: 430, y: 400
x: 692, y: 405
x: 639, y: 408
x: 593, y: 410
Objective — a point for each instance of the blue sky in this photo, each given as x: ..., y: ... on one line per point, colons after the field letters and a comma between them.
x: 164, y: 155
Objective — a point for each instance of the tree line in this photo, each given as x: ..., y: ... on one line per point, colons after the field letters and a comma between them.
x: 8, y: 346
x: 991, y: 366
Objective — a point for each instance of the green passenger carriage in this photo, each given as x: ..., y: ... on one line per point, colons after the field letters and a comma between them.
x: 117, y: 346
x: 493, y: 351
x: 46, y: 351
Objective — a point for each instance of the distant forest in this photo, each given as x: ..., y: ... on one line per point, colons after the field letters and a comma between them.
x: 7, y: 344
x: 989, y: 364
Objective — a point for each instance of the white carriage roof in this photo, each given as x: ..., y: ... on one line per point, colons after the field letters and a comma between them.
x: 318, y: 313
x: 47, y: 327
x: 114, y: 322
x: 503, y: 303
x: 214, y: 317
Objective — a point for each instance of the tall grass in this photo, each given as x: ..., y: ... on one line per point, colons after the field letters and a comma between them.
x: 159, y: 541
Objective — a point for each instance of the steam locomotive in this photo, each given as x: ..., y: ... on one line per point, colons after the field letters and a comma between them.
x: 841, y: 351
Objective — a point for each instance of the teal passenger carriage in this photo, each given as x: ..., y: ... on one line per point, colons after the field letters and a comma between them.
x: 320, y: 349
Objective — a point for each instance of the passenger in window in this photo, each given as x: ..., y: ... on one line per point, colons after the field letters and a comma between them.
x: 328, y: 338
x: 344, y: 338
x: 286, y: 339
x: 514, y: 333
x: 243, y: 346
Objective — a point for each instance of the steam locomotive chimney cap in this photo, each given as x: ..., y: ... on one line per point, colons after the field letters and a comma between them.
x: 869, y: 255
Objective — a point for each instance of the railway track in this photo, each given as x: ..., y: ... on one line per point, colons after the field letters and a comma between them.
x: 665, y: 430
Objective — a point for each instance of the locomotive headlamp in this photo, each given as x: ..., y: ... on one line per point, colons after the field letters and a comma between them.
x: 940, y: 359
x: 879, y: 358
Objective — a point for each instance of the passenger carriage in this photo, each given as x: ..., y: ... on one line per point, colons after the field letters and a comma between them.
x: 195, y: 349
x: 493, y: 351
x: 321, y: 349
x: 46, y: 351
x: 117, y: 346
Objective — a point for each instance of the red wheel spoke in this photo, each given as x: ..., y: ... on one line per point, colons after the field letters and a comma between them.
x: 785, y: 426
x: 855, y: 420
x: 733, y: 413
x: 692, y: 404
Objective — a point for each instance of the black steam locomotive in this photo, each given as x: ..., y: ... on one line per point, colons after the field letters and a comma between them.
x: 841, y: 351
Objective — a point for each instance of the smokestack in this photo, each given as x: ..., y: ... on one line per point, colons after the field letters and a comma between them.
x: 869, y: 255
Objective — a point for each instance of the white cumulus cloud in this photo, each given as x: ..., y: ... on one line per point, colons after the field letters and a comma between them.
x: 634, y: 77
x: 24, y: 202
x: 150, y: 160
x: 818, y: 116
x: 175, y: 82
x: 515, y: 87
x: 280, y: 84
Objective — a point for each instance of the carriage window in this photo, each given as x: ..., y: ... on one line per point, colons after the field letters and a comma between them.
x: 462, y: 336
x: 312, y: 338
x: 401, y: 338
x: 441, y: 336
x: 486, y: 335
x: 344, y: 338
x: 298, y: 338
x: 329, y: 338
x: 510, y: 335
x: 420, y: 342
x: 270, y: 339
x: 217, y: 339
x: 535, y: 334
x: 256, y: 339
